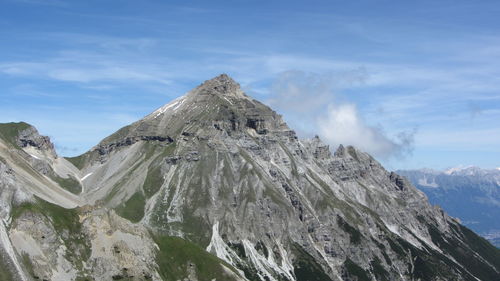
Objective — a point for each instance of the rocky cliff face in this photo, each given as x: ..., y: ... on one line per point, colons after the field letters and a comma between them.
x: 214, y: 185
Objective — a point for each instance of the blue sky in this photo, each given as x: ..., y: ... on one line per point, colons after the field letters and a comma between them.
x: 415, y: 84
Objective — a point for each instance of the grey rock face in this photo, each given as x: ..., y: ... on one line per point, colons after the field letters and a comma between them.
x: 31, y: 137
x: 225, y: 173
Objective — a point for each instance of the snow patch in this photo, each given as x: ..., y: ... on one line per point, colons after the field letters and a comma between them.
x: 230, y: 102
x: 86, y: 176
x: 175, y: 104
x: 36, y: 157
x: 393, y: 228
x: 453, y: 170
x: 178, y: 105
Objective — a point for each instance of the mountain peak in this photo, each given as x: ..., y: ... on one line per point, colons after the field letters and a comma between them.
x: 24, y: 135
x: 221, y: 85
x: 216, y: 105
x: 457, y: 169
x: 222, y: 78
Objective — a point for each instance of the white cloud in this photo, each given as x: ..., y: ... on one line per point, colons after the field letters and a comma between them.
x: 343, y: 124
x: 315, y: 99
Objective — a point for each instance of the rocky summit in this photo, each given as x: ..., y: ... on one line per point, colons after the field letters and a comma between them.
x: 216, y: 186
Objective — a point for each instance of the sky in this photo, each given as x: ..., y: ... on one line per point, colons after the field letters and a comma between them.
x: 414, y: 83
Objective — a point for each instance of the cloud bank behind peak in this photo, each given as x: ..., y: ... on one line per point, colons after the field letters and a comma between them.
x: 314, y: 103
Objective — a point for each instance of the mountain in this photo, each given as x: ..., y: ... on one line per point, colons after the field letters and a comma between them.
x: 468, y: 193
x: 216, y: 186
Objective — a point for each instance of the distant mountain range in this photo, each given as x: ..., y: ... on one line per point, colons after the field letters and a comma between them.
x: 471, y: 194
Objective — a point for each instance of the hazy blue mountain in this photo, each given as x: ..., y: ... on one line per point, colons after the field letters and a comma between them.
x: 468, y: 193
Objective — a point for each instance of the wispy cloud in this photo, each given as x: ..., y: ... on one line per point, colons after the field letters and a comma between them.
x: 337, y: 122
x: 298, y: 91
x: 86, y: 68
